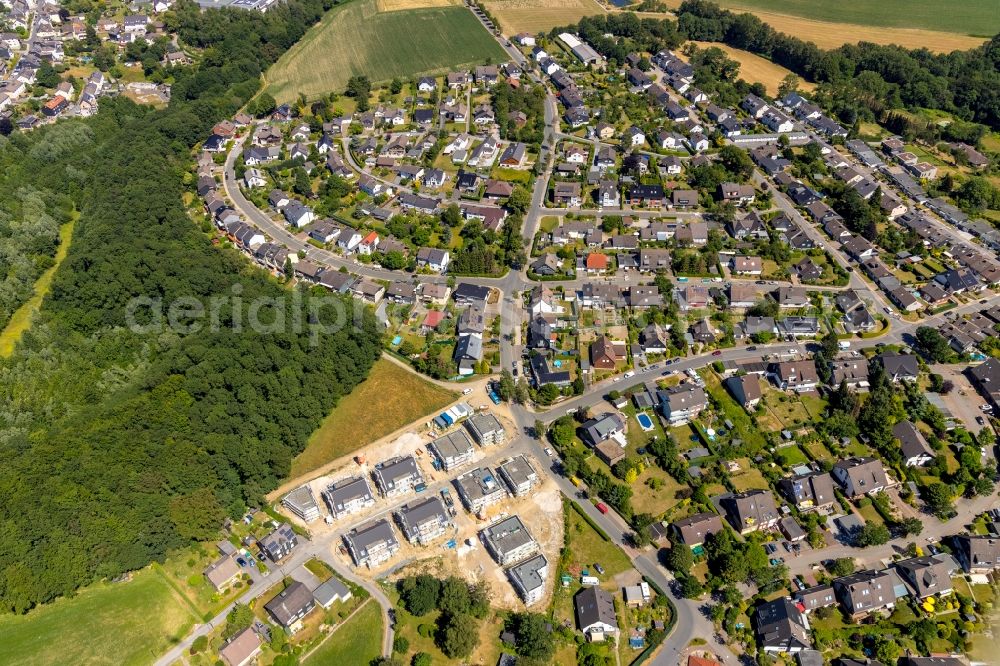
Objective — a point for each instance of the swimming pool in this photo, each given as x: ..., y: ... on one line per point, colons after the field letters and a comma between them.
x: 645, y: 422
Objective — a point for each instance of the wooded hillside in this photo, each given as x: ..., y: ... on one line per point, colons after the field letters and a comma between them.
x: 120, y: 445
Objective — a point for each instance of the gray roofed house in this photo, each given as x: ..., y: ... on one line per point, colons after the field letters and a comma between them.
x: 864, y: 592
x: 900, y: 366
x: 479, y: 488
x: 795, y: 375
x: 986, y: 378
x: 291, y: 605
x: 751, y: 511
x: 302, y: 503
x: 372, y: 544
x: 679, y: 404
x: 604, y: 427
x: 745, y: 389
x: 330, y: 591
x: 279, y: 543
x: 820, y: 596
x: 528, y: 578
x: 242, y: 649
x: 977, y: 554
x: 519, y: 475
x: 693, y: 530
x: 913, y: 445
x: 348, y: 496
x: 486, y: 429
x: 860, y: 476
x: 396, y: 476
x: 453, y: 450
x: 509, y: 541
x: 808, y: 491
x: 223, y: 572
x: 928, y: 575
x: 595, y: 613
x: 852, y: 371
x: 782, y: 627
x: 423, y: 521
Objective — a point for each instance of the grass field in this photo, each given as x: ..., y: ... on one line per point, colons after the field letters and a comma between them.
x: 120, y: 623
x: 831, y: 33
x: 401, y: 396
x: 755, y: 69
x: 21, y: 319
x: 534, y: 16
x: 358, y: 38
x: 356, y: 641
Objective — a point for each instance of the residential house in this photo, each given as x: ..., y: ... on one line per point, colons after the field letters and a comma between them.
x: 302, y: 503
x: 423, y: 521
x: 795, y: 376
x: 928, y: 575
x: 348, y: 496
x: 486, y: 429
x: 751, y: 511
x: 860, y: 476
x: 528, y: 578
x: 372, y: 544
x: 864, y: 592
x: 222, y: 573
x: 977, y: 554
x: 595, y: 613
x: 433, y: 258
x: 290, y: 606
x: 693, y: 530
x: 398, y: 475
x: 509, y: 541
x: 603, y: 354
x: 745, y: 389
x: 479, y: 488
x: 679, y: 404
x: 912, y: 444
x: 782, y: 627
x: 519, y: 475
x: 899, y: 367
x: 242, y: 649
x: 603, y: 427
x: 808, y: 492
x: 280, y: 543
x: 453, y: 450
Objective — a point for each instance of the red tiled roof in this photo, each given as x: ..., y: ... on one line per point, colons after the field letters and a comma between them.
x: 597, y: 261
x: 433, y: 318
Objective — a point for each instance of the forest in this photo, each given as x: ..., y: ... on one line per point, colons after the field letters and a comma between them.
x: 122, y: 443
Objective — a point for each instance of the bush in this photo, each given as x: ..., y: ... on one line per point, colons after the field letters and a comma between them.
x: 400, y: 644
x: 199, y: 644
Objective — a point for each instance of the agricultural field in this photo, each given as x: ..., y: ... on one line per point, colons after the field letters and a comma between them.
x: 535, y: 16
x: 755, y: 69
x: 107, y: 623
x: 402, y: 397
x: 829, y: 33
x: 362, y: 38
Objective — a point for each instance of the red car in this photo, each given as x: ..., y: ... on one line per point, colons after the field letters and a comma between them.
x: 602, y: 507
x: 717, y: 352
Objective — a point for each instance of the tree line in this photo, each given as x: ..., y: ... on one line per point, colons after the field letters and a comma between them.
x: 121, y: 443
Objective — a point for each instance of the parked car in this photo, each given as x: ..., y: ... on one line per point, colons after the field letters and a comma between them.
x: 717, y: 352
x: 602, y: 507
x: 599, y: 568
x: 548, y: 452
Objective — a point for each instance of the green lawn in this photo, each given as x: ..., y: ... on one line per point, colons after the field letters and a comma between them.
x: 586, y: 547
x: 969, y: 17
x: 119, y: 623
x: 401, y: 396
x: 357, y: 39
x: 21, y: 319
x: 789, y: 456
x: 356, y: 641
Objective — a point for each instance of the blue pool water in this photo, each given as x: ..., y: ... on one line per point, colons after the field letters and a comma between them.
x: 644, y: 421
x: 396, y: 340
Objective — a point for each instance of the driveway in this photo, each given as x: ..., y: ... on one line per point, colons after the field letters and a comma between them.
x: 964, y: 401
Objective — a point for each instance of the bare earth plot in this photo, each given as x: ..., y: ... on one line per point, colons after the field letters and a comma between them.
x: 829, y: 33
x: 755, y: 69
x: 358, y: 38
x: 534, y: 16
